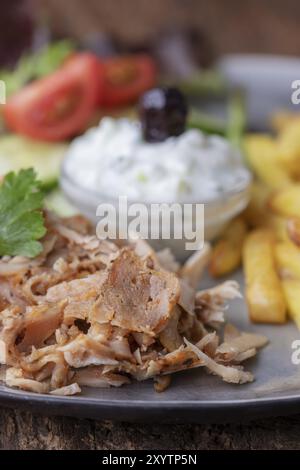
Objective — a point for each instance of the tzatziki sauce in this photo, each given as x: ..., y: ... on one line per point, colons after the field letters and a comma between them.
x: 113, y: 159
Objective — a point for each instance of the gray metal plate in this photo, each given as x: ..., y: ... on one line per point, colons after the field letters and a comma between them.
x: 193, y: 396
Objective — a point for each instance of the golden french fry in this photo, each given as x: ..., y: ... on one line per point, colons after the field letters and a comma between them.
x: 226, y: 255
x: 289, y: 146
x: 255, y: 213
x: 282, y: 119
x: 291, y: 289
x: 264, y: 293
x: 287, y: 258
x: 286, y: 201
x: 293, y: 230
x: 278, y: 225
x: 262, y: 155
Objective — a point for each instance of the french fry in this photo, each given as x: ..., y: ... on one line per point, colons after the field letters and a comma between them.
x: 264, y: 294
x: 282, y: 119
x: 289, y: 147
x: 287, y: 258
x: 262, y: 155
x: 286, y: 201
x: 291, y: 289
x: 293, y: 229
x: 226, y: 255
x: 255, y: 213
x: 278, y: 225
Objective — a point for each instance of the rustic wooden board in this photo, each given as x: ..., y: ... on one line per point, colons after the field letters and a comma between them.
x: 23, y: 430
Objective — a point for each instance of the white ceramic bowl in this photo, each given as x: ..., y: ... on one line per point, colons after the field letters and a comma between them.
x: 217, y: 213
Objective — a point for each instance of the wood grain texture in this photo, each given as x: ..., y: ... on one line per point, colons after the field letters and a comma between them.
x: 24, y: 431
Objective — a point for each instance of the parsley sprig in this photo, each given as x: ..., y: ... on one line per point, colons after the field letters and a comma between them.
x: 21, y: 217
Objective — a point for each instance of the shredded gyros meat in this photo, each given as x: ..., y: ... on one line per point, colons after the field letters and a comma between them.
x: 92, y: 313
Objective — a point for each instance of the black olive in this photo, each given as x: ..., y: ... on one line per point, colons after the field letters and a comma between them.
x: 163, y: 113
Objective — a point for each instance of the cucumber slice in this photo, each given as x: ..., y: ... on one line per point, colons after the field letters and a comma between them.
x: 57, y: 202
x: 18, y: 152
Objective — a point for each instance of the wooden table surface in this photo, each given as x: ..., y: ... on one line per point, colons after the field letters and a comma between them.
x: 25, y: 431
x: 232, y: 26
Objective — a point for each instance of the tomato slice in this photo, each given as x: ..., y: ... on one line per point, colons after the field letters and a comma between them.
x: 126, y: 78
x: 60, y: 105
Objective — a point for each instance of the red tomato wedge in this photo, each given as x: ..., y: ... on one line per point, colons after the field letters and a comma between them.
x: 126, y: 78
x: 59, y: 105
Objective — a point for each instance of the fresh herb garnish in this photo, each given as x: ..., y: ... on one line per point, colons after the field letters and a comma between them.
x: 21, y: 218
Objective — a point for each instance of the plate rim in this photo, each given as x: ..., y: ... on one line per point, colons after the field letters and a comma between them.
x: 198, y: 411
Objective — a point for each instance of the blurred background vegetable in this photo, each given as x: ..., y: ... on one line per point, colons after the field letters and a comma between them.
x: 38, y: 64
